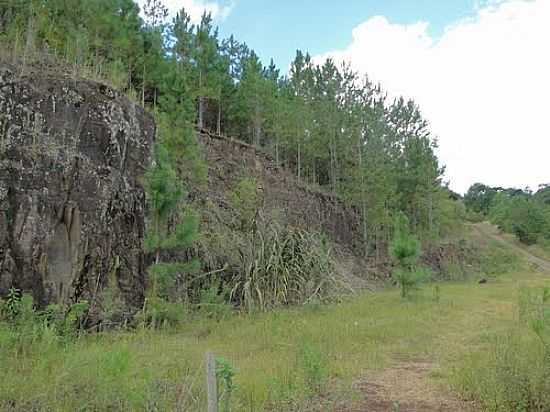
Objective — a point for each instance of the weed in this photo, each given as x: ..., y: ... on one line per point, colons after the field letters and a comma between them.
x: 11, y: 308
x: 160, y: 313
x: 437, y: 293
x: 224, y: 375
x: 214, y: 302
x: 314, y: 367
x: 163, y: 369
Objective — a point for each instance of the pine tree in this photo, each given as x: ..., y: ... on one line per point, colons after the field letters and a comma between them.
x: 165, y: 194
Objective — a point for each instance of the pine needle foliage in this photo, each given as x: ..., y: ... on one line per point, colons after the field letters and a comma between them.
x: 165, y: 194
x: 405, y: 248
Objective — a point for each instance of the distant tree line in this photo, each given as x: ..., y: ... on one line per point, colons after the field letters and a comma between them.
x: 332, y: 127
x: 519, y: 211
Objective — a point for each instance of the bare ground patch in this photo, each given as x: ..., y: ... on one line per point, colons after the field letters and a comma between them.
x: 405, y: 387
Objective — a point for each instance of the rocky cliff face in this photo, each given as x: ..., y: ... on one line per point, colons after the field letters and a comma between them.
x: 72, y: 158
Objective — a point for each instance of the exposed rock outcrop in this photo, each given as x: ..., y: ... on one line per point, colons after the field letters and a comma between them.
x: 72, y: 159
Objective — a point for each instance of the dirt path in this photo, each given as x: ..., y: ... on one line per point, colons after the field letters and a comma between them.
x: 406, y: 387
x: 492, y: 232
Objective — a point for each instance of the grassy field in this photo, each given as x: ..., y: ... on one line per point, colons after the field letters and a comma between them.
x: 281, y: 360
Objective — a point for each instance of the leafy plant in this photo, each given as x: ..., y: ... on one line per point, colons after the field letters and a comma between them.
x: 314, y: 367
x: 10, y: 308
x: 224, y: 375
x: 158, y: 312
x: 409, y: 280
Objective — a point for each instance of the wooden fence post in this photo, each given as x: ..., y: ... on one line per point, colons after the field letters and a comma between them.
x: 211, y: 384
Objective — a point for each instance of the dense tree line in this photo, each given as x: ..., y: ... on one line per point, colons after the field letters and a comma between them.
x: 518, y: 211
x: 332, y: 127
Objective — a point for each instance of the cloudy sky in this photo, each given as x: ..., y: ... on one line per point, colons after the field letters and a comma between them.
x: 479, y: 69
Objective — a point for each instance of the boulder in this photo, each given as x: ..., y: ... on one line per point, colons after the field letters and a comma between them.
x: 72, y: 205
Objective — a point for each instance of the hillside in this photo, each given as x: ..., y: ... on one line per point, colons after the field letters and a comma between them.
x: 230, y: 160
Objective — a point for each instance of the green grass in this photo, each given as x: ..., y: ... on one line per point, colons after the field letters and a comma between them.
x: 276, y: 355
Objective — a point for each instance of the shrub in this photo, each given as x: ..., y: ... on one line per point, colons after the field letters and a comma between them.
x: 405, y: 249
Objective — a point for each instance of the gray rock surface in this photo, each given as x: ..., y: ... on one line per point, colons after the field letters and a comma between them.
x: 72, y: 205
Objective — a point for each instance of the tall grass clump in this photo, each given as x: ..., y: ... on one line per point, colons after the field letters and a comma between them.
x: 515, y: 374
x: 282, y: 265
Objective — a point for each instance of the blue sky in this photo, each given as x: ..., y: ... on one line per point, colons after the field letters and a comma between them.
x: 278, y: 28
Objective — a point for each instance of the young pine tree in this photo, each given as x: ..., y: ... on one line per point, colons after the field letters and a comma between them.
x: 165, y: 193
x: 405, y: 248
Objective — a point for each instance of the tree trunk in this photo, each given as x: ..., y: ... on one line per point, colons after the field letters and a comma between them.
x: 257, y: 126
x: 363, y: 201
x: 299, y: 162
x: 201, y: 109
x: 277, y: 151
x: 219, y: 123
x: 201, y: 102
x: 143, y: 87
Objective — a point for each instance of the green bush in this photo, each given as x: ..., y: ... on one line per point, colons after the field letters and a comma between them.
x: 406, y: 249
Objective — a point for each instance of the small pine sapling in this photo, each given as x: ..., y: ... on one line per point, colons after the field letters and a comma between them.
x: 405, y: 248
x: 165, y: 194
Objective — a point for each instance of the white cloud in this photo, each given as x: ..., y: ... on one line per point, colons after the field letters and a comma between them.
x: 195, y: 8
x: 484, y: 85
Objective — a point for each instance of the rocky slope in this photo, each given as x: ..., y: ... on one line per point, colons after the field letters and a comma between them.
x: 300, y: 205
x: 72, y: 157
